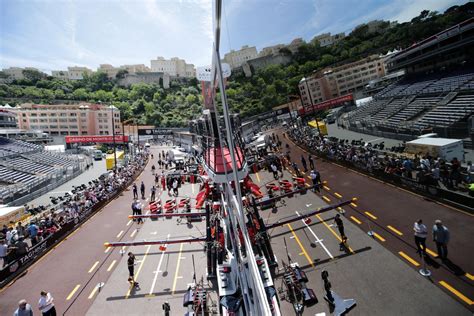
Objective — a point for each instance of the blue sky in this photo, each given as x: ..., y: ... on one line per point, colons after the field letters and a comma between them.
x: 54, y: 34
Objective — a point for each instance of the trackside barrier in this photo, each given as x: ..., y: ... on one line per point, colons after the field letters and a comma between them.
x: 430, y: 191
x: 20, y: 264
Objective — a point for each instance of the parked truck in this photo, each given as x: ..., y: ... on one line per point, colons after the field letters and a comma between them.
x: 444, y: 148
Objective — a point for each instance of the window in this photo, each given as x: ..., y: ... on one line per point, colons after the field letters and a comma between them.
x: 43, y: 114
x: 83, y: 114
x: 33, y: 121
x: 52, y: 114
x: 72, y: 120
x: 62, y: 114
x: 63, y: 120
x: 33, y: 114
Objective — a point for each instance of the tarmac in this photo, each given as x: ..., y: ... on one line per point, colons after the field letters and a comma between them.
x: 371, y: 271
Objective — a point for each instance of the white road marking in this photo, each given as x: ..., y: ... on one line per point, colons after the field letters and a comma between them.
x: 158, y: 268
x: 374, y: 140
x: 320, y: 241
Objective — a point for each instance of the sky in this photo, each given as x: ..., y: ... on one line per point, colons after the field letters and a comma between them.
x: 55, y: 34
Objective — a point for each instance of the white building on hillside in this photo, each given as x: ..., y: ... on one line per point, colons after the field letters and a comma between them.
x: 16, y: 73
x: 235, y: 58
x: 174, y: 67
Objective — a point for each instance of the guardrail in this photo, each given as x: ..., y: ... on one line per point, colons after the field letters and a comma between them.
x: 20, y: 264
x: 430, y: 191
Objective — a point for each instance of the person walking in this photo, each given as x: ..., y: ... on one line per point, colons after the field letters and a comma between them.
x: 303, y: 162
x: 153, y: 192
x: 175, y: 187
x: 46, y: 305
x: 295, y: 168
x: 131, y: 269
x: 311, y: 162
x: 441, y: 238
x: 135, y: 191
x: 24, y: 309
x: 142, y: 190
x: 340, y: 226
x: 421, y: 232
x: 274, y: 170
x: 316, y: 178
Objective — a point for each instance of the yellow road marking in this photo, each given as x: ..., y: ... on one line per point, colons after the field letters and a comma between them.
x: 138, y: 271
x: 177, y: 269
x: 301, y: 253
x: 120, y: 234
x: 107, y: 249
x: 356, y: 220
x: 72, y: 292
x: 133, y: 233
x: 129, y: 222
x: 379, y: 237
x: 111, y: 265
x: 332, y: 231
x: 326, y: 188
x: 370, y: 215
x: 338, y: 195
x: 309, y: 177
x: 93, y: 292
x: 326, y: 199
x: 389, y: 184
x: 457, y: 293
x: 396, y: 231
x: 431, y: 252
x: 93, y: 267
x: 469, y: 276
x: 409, y: 259
x: 353, y: 204
x: 258, y: 177
x: 301, y: 245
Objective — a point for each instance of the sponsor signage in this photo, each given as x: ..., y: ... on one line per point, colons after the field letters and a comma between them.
x: 96, y: 139
x: 204, y: 73
x: 326, y: 104
x: 159, y: 131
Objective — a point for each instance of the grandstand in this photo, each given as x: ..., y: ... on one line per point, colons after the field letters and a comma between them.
x: 26, y: 168
x: 437, y: 94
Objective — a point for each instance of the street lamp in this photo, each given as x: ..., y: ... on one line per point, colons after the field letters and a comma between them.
x: 311, y: 101
x: 111, y: 107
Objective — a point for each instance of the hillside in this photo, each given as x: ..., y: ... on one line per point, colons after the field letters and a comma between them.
x: 268, y: 87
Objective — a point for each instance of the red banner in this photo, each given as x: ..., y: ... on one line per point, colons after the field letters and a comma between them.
x: 96, y: 139
x: 326, y: 104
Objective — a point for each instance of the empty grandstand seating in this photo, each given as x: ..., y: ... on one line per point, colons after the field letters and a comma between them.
x: 25, y: 167
x: 413, y: 105
x: 446, y: 115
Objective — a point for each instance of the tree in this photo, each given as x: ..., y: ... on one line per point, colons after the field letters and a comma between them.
x: 121, y: 73
x: 33, y: 75
x: 80, y: 94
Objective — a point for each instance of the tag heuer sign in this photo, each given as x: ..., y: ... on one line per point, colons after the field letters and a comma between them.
x: 204, y: 73
x: 155, y: 131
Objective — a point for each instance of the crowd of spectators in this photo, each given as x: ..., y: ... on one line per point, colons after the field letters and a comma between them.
x: 423, y: 169
x: 17, y: 239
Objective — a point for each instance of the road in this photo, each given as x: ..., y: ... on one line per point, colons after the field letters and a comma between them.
x: 390, y: 213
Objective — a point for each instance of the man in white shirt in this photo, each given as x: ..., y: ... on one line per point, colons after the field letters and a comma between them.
x: 46, y: 305
x: 4, y: 252
x: 421, y: 232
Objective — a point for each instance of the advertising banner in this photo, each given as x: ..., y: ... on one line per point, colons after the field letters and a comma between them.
x: 96, y: 139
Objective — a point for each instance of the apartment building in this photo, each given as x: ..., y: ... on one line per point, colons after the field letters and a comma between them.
x: 235, y: 58
x: 72, y: 73
x: 326, y: 39
x: 16, y: 73
x: 69, y: 119
x: 175, y: 67
x: 334, y: 82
